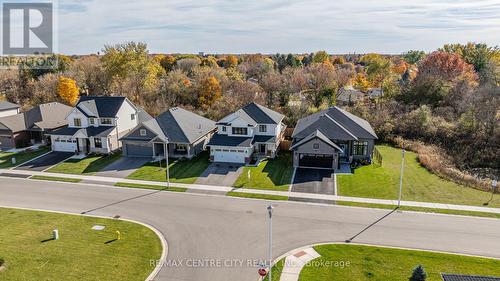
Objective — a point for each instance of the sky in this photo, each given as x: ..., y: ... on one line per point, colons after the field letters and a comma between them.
x: 276, y: 26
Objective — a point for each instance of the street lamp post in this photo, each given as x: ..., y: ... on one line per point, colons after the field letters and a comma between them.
x: 270, y: 211
x: 401, y: 177
x: 166, y: 162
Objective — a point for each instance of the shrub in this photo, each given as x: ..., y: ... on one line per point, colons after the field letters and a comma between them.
x: 418, y: 274
x: 2, y: 261
x: 436, y: 161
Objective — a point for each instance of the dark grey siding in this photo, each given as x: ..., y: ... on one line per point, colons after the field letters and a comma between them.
x: 136, y: 134
x: 308, y: 148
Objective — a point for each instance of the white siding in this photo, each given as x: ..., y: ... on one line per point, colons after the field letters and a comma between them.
x: 124, y: 121
x: 75, y: 113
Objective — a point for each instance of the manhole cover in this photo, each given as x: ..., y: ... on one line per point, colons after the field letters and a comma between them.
x: 116, y: 217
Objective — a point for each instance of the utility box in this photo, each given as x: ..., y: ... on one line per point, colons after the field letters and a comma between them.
x: 13, y: 160
x: 55, y: 234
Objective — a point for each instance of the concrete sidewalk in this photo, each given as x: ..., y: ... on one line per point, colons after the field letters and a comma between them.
x: 257, y: 191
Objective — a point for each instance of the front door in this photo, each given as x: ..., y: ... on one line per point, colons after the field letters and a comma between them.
x: 262, y: 148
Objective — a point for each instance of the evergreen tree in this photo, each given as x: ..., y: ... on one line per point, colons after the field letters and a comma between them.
x: 418, y: 274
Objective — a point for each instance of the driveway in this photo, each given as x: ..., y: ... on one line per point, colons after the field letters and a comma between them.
x: 317, y: 181
x: 221, y: 174
x: 123, y: 167
x: 46, y: 161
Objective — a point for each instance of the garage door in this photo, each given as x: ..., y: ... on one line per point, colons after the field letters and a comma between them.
x: 316, y: 160
x: 134, y: 150
x: 6, y: 142
x: 229, y: 157
x: 64, y: 145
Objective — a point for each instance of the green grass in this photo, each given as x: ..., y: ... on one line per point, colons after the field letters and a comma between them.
x: 148, y: 186
x: 21, y: 157
x: 419, y: 184
x: 45, y: 178
x: 272, y: 174
x: 80, y: 254
x: 86, y: 166
x: 421, y: 209
x: 381, y: 264
x: 181, y: 171
x: 277, y: 269
x: 257, y: 196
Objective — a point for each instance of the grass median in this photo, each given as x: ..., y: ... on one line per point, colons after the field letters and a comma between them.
x: 47, y: 178
x: 80, y: 253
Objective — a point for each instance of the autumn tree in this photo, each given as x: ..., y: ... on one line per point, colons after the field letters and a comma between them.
x: 67, y: 90
x: 168, y: 62
x: 413, y: 57
x: 360, y: 83
x: 377, y: 68
x: 338, y: 60
x: 231, y: 61
x: 210, y: 92
x: 321, y: 57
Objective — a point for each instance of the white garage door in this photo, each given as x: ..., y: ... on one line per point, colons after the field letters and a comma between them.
x: 63, y: 145
x: 229, y: 157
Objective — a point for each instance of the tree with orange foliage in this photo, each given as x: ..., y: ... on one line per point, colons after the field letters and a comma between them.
x: 231, y: 61
x: 210, y: 92
x: 448, y: 67
x: 399, y: 67
x: 68, y: 90
x: 361, y: 83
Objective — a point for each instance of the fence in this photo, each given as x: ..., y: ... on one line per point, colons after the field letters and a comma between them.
x: 377, y: 156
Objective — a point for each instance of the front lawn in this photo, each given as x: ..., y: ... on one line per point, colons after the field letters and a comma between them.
x: 419, y: 184
x: 181, y: 171
x: 80, y: 253
x: 376, y: 263
x: 21, y: 157
x: 88, y: 165
x: 272, y: 174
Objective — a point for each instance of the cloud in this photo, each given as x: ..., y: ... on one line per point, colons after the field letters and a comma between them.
x: 240, y: 26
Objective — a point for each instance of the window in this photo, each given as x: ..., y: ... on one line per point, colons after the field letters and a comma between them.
x: 262, y: 128
x: 143, y: 132
x: 359, y: 147
x: 181, y: 147
x: 77, y: 122
x: 240, y: 131
x: 106, y: 121
x: 316, y: 146
x: 91, y: 121
x: 98, y: 142
x: 224, y: 129
x: 132, y: 117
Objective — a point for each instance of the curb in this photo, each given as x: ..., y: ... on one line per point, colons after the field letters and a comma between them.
x: 164, y: 243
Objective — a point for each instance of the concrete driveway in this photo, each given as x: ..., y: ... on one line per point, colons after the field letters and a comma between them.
x: 123, y: 167
x: 222, y: 174
x: 46, y: 161
x: 317, y: 181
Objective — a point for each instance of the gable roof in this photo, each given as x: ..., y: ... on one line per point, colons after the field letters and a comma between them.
x: 5, y: 105
x: 103, y: 106
x: 178, y: 125
x: 319, y: 135
x: 254, y: 114
x: 42, y: 117
x: 335, y: 123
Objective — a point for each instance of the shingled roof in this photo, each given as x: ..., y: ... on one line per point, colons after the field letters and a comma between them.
x: 254, y: 114
x: 102, y: 106
x: 334, y: 123
x: 5, y: 105
x: 45, y: 116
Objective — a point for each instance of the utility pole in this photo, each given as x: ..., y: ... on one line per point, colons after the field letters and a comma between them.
x: 270, y: 211
x: 401, y: 177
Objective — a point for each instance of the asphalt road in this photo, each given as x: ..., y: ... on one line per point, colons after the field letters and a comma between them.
x: 224, y: 229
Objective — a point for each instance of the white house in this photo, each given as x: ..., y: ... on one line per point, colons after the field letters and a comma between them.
x: 96, y: 124
x: 8, y: 108
x: 253, y: 131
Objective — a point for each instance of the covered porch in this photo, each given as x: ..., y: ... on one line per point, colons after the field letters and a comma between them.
x: 175, y: 150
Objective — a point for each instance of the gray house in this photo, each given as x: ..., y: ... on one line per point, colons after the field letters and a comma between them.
x: 331, y: 137
x: 185, y: 133
x: 33, y: 126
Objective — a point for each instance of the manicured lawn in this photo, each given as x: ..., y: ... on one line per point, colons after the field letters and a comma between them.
x: 45, y: 178
x: 374, y: 263
x: 273, y: 174
x: 148, y: 186
x: 80, y: 253
x: 419, y: 184
x: 419, y: 209
x: 88, y: 165
x: 181, y: 171
x: 21, y: 157
x: 256, y: 196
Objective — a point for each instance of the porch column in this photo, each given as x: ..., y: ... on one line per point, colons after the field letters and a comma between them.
x: 189, y: 150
